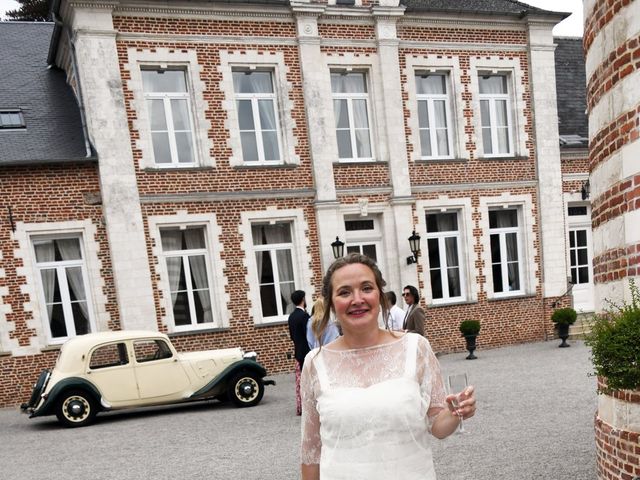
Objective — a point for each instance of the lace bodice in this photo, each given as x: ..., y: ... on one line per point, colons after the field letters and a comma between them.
x: 349, y: 383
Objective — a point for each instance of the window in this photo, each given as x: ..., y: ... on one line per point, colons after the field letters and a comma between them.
x: 433, y: 116
x: 363, y: 237
x: 495, y: 112
x: 169, y: 109
x: 111, y: 355
x: 443, y: 245
x: 506, y: 265
x: 273, y: 245
x: 62, y: 273
x: 257, y: 115
x: 187, y: 260
x: 11, y: 119
x: 350, y: 107
x: 149, y: 350
x: 579, y: 256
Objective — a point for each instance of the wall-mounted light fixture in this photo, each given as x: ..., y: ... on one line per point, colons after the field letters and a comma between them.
x: 586, y: 189
x: 338, y: 248
x: 414, y: 245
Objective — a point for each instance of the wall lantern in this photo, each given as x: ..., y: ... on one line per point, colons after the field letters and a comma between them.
x: 585, y: 190
x: 414, y: 245
x: 338, y: 248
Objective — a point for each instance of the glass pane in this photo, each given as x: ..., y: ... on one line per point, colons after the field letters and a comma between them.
x: 572, y: 239
x: 194, y: 237
x: 157, y: 115
x: 245, y: 115
x: 181, y: 313
x: 348, y: 83
x: 582, y: 256
x: 451, y: 245
x: 164, y: 81
x: 423, y: 114
x: 184, y: 147
x: 431, y: 84
x: 267, y: 114
x: 198, y: 267
x: 161, y: 149
x: 171, y: 239
x: 503, y: 140
x: 485, y: 113
x: 574, y: 276
x: 443, y: 142
x: 270, y: 146
x: 363, y: 143
x: 572, y: 255
x: 249, y: 146
x: 487, y: 143
x: 360, y: 119
x: 442, y: 222
x: 56, y: 321
x: 577, y: 211
x: 583, y: 274
x: 67, y: 249
x: 75, y: 283
x: 453, y: 277
x: 511, y: 240
x: 45, y: 251
x: 514, y: 276
x: 353, y: 249
x: 581, y: 237
x: 341, y: 112
x: 370, y: 251
x: 436, y: 283
x: 493, y: 84
x: 496, y: 255
x: 497, y: 278
x: 501, y: 113
x: 344, y: 144
x: 266, y: 270
x: 425, y: 143
x: 357, y: 225
x: 264, y: 234
x: 434, y: 252
x: 49, y: 284
x: 440, y: 112
x: 180, y: 112
x: 268, y: 301
x: 80, y: 320
x: 285, y: 265
x: 252, y: 82
x: 503, y: 218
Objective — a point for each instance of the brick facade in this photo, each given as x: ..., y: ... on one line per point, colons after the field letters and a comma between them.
x: 396, y: 189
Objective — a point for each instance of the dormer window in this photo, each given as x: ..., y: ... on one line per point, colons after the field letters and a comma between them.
x: 11, y: 119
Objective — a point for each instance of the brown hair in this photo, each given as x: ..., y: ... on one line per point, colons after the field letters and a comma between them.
x: 350, y: 259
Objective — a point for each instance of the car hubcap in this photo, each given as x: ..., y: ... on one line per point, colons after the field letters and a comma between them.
x: 247, y: 389
x: 76, y: 408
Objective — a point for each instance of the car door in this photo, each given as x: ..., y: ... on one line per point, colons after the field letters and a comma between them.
x: 159, y: 374
x: 111, y: 370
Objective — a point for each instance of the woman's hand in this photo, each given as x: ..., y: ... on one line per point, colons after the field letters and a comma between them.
x: 466, y: 403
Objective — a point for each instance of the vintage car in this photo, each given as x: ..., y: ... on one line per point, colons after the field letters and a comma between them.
x: 115, y: 370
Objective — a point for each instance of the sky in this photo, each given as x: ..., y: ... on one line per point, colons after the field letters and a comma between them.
x: 570, y: 27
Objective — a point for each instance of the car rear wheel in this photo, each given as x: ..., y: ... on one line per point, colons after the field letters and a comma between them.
x: 246, y: 389
x: 76, y: 408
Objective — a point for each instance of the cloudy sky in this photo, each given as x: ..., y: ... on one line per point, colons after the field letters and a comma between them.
x: 571, y: 26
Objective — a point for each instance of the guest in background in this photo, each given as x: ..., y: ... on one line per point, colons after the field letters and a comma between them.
x: 298, y: 333
x: 315, y: 337
x: 396, y: 314
x: 414, y: 318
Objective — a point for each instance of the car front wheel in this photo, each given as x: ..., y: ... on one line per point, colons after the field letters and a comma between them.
x: 246, y: 389
x: 76, y: 408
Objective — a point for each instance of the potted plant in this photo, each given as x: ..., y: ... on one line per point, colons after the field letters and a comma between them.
x: 470, y: 330
x: 563, y: 318
x: 615, y: 354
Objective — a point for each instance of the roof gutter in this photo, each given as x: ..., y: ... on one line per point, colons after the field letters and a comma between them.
x: 57, y: 31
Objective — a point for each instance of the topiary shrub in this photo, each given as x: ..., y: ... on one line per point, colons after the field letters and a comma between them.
x: 470, y: 327
x: 615, y: 344
x: 564, y: 316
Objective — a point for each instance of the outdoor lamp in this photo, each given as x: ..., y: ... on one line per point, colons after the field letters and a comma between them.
x: 338, y: 248
x: 585, y: 190
x: 414, y: 245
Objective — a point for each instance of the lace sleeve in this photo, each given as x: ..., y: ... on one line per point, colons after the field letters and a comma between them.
x: 430, y: 378
x: 311, y: 444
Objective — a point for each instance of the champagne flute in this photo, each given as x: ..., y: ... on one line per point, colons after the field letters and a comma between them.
x: 457, y: 384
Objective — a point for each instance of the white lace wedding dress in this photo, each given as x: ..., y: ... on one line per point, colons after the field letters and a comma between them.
x: 366, y: 412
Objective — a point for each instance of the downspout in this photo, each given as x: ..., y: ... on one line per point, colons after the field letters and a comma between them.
x: 53, y: 50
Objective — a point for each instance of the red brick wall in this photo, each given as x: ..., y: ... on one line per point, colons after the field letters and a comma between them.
x: 611, y: 138
x: 602, y: 13
x: 621, y: 198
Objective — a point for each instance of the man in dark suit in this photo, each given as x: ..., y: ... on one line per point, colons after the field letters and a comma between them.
x: 298, y: 332
x: 415, y: 317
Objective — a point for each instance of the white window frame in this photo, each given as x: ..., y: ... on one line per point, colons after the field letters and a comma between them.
x: 60, y: 269
x: 302, y: 272
x: 259, y: 60
x: 360, y: 238
x: 184, y: 256
x: 441, y: 237
x: 255, y: 98
x: 493, y: 99
x: 216, y: 277
x: 509, y: 67
x: 502, y: 232
x: 430, y: 99
x: 433, y: 64
x: 166, y: 98
x: 350, y: 97
x: 580, y: 222
x: 165, y: 58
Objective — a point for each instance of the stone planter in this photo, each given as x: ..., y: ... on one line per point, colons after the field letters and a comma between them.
x: 563, y: 334
x: 471, y: 346
x: 617, y: 432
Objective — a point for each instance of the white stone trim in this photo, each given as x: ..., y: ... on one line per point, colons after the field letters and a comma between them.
x: 99, y: 316
x: 451, y: 66
x: 617, y: 101
x: 252, y: 59
x: 5, y: 309
x: 220, y: 299
x: 467, y: 245
x: 516, y: 92
x: 163, y: 57
x: 618, y: 413
x: 524, y: 203
x: 302, y: 272
x: 369, y: 63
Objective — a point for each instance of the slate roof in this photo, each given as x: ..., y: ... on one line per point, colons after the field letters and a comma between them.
x: 53, y: 130
x: 571, y: 92
x: 489, y: 7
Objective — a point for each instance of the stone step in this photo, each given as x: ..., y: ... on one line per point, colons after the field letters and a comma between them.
x: 582, y: 325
